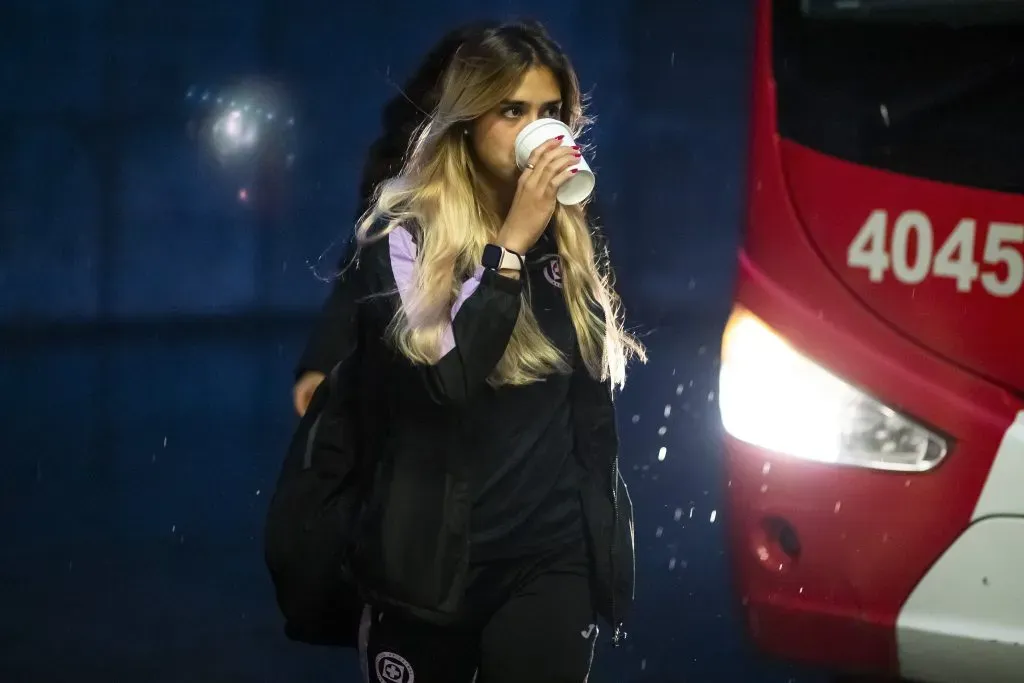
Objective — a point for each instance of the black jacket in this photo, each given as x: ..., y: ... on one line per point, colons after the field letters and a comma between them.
x: 326, y: 344
x: 411, y: 548
x: 404, y: 530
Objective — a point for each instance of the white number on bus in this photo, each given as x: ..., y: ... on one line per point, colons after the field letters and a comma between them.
x: 872, y: 250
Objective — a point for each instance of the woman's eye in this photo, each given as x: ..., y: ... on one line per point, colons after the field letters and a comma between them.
x: 511, y: 112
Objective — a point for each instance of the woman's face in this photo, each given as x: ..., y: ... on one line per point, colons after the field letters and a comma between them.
x: 493, y: 135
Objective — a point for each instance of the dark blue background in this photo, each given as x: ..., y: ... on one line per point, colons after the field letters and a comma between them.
x: 149, y: 318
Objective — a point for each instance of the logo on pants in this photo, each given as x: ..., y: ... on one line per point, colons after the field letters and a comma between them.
x: 392, y: 668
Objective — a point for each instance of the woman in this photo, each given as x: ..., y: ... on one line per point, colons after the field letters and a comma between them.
x: 496, y: 527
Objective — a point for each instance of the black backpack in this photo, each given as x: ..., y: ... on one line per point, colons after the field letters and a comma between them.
x: 311, y: 516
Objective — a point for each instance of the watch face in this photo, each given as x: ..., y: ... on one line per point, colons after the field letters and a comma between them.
x: 492, y: 256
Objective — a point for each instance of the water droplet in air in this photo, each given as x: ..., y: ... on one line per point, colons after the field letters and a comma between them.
x: 662, y: 452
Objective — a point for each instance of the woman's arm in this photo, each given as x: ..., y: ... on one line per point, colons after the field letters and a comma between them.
x: 480, y: 324
x: 334, y: 333
x: 333, y: 327
x: 593, y: 414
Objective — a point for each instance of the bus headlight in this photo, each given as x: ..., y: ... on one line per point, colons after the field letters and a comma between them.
x: 773, y: 397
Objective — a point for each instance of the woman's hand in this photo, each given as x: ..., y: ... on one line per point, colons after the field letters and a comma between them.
x: 548, y: 167
x: 302, y: 392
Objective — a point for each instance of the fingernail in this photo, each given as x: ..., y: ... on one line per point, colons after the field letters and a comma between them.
x: 560, y: 137
x: 575, y: 146
x: 575, y: 170
x: 577, y: 155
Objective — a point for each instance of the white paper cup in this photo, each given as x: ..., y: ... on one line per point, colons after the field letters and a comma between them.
x: 577, y: 188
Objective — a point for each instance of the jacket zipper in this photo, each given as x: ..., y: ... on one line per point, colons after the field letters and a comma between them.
x: 618, y: 634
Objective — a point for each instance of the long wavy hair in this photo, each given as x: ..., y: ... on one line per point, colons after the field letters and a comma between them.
x: 436, y: 196
x: 404, y: 114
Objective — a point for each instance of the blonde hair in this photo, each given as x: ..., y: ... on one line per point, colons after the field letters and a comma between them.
x: 434, y: 196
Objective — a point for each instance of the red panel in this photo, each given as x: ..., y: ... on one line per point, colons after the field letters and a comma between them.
x: 866, y: 537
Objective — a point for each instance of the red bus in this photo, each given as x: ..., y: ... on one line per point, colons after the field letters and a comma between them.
x: 872, y: 377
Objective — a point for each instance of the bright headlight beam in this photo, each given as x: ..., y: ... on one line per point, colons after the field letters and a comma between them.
x: 773, y: 397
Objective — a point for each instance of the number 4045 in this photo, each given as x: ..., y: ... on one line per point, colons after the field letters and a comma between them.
x: 1003, y: 274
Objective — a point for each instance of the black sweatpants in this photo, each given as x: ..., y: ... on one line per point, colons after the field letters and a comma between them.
x: 527, y: 621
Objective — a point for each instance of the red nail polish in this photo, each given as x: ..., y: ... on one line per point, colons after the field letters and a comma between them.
x: 575, y: 170
x: 560, y: 137
x: 575, y: 146
x: 577, y: 155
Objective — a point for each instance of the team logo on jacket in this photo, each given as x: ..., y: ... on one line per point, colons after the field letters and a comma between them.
x: 392, y: 668
x: 553, y: 271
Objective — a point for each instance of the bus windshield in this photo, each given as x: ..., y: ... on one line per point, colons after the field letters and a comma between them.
x: 929, y: 99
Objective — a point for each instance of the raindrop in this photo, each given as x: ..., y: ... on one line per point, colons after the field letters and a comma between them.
x: 711, y: 396
x: 714, y: 515
x: 678, y: 514
x: 257, y: 492
x: 839, y: 504
x: 658, y: 532
x: 672, y: 564
x: 165, y: 442
x: 766, y: 468
x: 702, y: 350
x: 643, y: 664
x: 636, y: 418
x: 672, y: 60
x: 662, y: 430
x: 662, y: 452
x: 679, y: 390
x: 668, y: 410
x: 174, y: 527
x: 691, y: 512
x: 764, y: 488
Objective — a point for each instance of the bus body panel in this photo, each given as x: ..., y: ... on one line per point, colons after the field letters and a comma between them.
x: 834, y: 563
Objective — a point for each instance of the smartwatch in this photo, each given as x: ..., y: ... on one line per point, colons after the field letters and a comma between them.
x: 497, y: 257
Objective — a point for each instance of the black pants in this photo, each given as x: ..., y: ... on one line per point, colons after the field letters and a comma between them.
x: 529, y: 620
